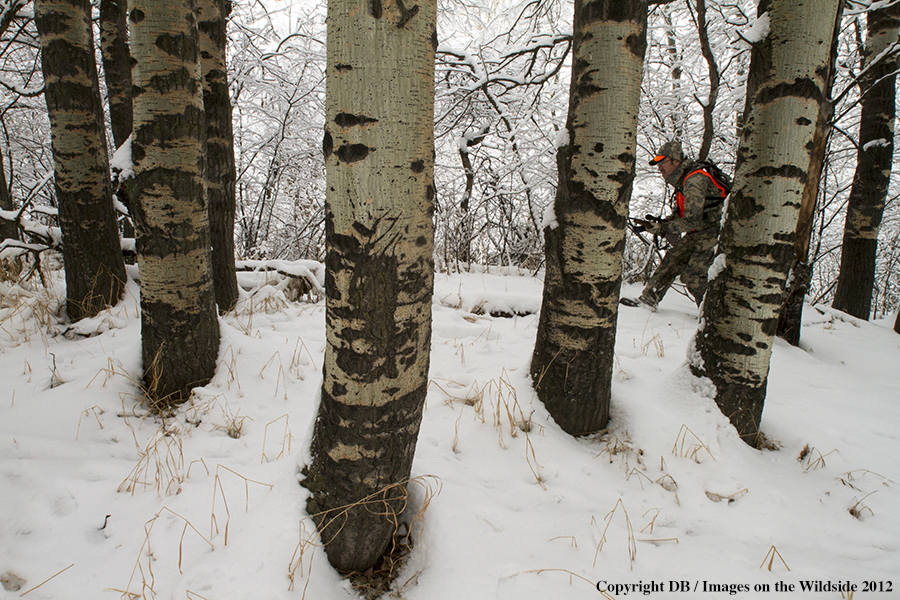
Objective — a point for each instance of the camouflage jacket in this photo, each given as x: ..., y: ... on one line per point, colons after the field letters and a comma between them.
x: 697, y: 202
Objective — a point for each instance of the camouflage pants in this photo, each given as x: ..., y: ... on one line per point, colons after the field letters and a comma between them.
x: 690, y: 258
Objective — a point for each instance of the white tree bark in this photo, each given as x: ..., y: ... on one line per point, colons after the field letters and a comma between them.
x: 740, y: 314
x: 179, y: 326
x: 379, y: 156
x: 573, y: 356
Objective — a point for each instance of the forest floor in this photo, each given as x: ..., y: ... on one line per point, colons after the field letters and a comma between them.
x: 98, y: 499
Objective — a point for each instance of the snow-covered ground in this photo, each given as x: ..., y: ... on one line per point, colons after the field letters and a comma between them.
x: 98, y: 500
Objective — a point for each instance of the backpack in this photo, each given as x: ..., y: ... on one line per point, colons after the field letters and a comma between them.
x: 717, y: 175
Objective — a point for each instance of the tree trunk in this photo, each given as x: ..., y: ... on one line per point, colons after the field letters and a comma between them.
x: 759, y: 69
x: 117, y: 70
x: 8, y: 229
x: 219, y: 149
x: 709, y: 106
x: 865, y: 206
x: 95, y: 271
x: 379, y: 156
x: 790, y: 319
x: 573, y: 355
x: 179, y: 327
x: 117, y: 66
x: 733, y: 345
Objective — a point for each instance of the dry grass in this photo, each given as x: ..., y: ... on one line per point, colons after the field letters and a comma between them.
x: 572, y: 578
x: 29, y: 311
x: 689, y: 445
x: 160, y: 463
x: 770, y: 557
x: 143, y: 565
x: 620, y: 447
x: 28, y: 591
x: 811, y: 458
x: 858, y: 508
x: 219, y: 491
x: 280, y: 378
x: 630, y: 544
x: 286, y: 439
x: 96, y: 411
x: 381, y: 579
x: 506, y: 413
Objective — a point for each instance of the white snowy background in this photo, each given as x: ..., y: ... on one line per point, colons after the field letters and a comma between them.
x: 100, y: 500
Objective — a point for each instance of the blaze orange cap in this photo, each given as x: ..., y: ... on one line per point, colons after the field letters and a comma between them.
x: 671, y: 150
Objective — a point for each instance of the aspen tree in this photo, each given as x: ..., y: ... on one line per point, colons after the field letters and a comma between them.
x: 733, y: 344
x: 379, y: 156
x: 95, y: 271
x: 874, y: 159
x: 179, y: 324
x: 573, y: 355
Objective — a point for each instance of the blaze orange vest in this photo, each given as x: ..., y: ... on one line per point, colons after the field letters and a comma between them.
x: 679, y: 197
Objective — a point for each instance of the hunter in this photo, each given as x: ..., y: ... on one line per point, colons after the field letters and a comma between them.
x: 694, y: 225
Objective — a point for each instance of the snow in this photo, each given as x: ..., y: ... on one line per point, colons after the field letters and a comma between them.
x: 121, y: 161
x: 549, y: 217
x: 881, y: 142
x: 100, y: 500
x: 561, y: 139
x: 718, y: 265
x: 758, y: 29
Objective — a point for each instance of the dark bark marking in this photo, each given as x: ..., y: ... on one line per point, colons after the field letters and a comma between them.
x: 137, y: 152
x: 179, y: 79
x: 803, y: 121
x: 800, y: 88
x: 784, y: 237
x: 417, y: 166
x: 136, y: 15
x: 347, y: 120
x: 179, y: 45
x: 637, y: 45
x: 588, y: 89
x: 786, y: 171
x: 350, y: 153
x: 375, y: 8
x: 327, y: 144
x: 598, y: 147
x: 341, y: 67
x: 406, y: 15
x: 623, y: 177
x: 614, y: 10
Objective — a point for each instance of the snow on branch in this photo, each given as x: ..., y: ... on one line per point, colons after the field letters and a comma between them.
x: 497, y: 68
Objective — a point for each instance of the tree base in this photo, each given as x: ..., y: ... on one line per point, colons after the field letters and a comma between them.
x: 377, y: 580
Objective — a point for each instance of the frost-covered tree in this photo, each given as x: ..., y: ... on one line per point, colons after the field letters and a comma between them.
x: 277, y: 83
x: 500, y: 102
x: 733, y: 344
x: 573, y: 355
